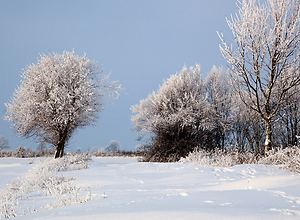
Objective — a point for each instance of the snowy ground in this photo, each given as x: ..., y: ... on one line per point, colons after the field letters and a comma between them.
x: 126, y: 189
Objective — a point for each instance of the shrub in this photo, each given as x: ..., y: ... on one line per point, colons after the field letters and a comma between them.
x: 44, y: 178
x: 220, y: 158
x: 287, y: 158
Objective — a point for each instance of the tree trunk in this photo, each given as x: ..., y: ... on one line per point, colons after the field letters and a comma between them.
x: 62, y: 151
x: 59, y: 151
x: 268, y: 142
x: 62, y: 139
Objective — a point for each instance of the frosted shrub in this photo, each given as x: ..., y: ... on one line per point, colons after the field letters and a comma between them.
x: 44, y: 179
x: 220, y: 158
x: 68, y: 163
x: 198, y: 156
x: 69, y: 199
x: 9, y: 205
x: 287, y: 158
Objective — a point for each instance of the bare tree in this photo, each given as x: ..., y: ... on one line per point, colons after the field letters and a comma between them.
x: 41, y: 146
x: 113, y: 147
x: 265, y: 60
x: 288, y: 122
x: 4, y: 144
x: 58, y: 95
x: 248, y: 129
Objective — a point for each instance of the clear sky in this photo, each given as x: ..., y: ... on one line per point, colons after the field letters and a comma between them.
x: 139, y: 42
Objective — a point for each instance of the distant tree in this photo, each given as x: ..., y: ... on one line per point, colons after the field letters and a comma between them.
x: 4, y: 144
x: 288, y: 120
x: 265, y: 60
x: 43, y: 150
x: 140, y: 148
x: 78, y: 151
x: 113, y: 147
x: 58, y: 95
x: 41, y: 146
x: 174, y: 117
x: 20, y: 152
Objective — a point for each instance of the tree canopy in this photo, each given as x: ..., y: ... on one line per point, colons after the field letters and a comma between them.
x: 59, y: 94
x: 174, y: 115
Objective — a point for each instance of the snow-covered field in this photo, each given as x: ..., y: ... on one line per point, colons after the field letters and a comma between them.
x: 122, y: 188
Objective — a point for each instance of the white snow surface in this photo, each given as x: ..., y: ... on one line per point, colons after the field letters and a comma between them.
x: 127, y: 189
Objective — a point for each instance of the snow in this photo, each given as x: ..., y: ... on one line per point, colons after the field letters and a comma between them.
x: 11, y: 169
x: 126, y: 189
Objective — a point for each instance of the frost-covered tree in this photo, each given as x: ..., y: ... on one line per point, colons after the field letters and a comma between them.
x: 265, y: 58
x: 41, y: 146
x: 59, y: 94
x: 113, y: 147
x: 174, y: 117
x: 20, y: 152
x: 4, y: 144
x: 220, y: 98
x: 233, y: 124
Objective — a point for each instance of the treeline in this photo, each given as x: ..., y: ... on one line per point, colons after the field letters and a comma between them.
x: 23, y: 152
x: 256, y: 112
x: 188, y: 112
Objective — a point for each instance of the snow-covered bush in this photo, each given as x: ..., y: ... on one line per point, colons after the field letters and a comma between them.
x: 219, y: 158
x: 9, y: 204
x: 68, y: 163
x: 287, y: 158
x: 44, y: 178
x: 70, y: 198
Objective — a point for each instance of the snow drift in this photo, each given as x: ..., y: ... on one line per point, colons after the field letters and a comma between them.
x: 122, y: 188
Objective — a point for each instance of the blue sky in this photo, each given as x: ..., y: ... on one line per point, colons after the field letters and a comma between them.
x: 139, y: 42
